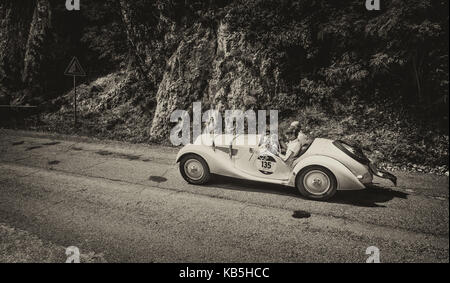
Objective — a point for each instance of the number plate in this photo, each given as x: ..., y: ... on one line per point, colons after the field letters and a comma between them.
x: 266, y: 164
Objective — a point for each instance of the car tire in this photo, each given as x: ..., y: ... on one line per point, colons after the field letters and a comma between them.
x: 317, y: 183
x: 194, y: 169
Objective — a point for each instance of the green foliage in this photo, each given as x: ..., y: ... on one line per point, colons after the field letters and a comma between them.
x: 330, y: 49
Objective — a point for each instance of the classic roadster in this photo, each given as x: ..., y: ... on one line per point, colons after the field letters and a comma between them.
x: 318, y: 171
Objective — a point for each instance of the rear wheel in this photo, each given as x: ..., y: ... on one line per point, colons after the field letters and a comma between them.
x: 316, y: 182
x: 194, y: 169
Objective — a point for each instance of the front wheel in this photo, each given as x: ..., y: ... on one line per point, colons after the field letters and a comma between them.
x: 316, y: 182
x: 194, y: 169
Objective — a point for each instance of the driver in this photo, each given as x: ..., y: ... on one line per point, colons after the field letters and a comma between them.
x: 297, y: 140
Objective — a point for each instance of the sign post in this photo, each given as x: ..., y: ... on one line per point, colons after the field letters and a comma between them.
x: 75, y: 70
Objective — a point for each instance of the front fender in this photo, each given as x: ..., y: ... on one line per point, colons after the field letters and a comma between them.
x: 195, y: 149
x: 217, y: 164
x: 346, y: 180
x: 181, y: 152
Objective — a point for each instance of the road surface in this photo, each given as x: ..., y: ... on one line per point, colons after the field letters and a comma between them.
x: 119, y: 202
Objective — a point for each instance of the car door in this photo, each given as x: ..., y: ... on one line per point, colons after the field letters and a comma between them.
x: 262, y: 164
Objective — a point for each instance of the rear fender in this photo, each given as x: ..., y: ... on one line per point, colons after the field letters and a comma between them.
x: 346, y: 180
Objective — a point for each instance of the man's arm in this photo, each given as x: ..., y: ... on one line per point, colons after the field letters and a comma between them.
x: 283, y: 146
x: 286, y: 157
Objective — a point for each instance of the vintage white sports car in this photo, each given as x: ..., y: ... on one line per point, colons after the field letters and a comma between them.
x: 318, y: 171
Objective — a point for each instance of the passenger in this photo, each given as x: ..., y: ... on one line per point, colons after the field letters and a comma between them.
x: 270, y: 144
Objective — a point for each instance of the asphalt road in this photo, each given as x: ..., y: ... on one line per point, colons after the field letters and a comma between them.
x: 128, y: 203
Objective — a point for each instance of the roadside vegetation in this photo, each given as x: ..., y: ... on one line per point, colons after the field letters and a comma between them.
x: 377, y: 78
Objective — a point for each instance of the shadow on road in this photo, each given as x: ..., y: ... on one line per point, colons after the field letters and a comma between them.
x: 252, y: 186
x: 370, y: 197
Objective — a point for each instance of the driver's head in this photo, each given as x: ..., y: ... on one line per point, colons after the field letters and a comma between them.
x: 294, y: 129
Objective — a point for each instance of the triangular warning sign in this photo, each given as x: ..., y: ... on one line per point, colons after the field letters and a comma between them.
x: 75, y: 69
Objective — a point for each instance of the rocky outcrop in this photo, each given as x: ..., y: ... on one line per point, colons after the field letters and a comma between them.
x: 244, y: 77
x: 36, y: 51
x: 24, y: 29
x: 186, y: 79
x: 15, y: 18
x: 151, y: 37
x: 219, y: 68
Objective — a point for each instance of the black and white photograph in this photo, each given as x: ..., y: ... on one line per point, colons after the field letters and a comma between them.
x: 241, y: 133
